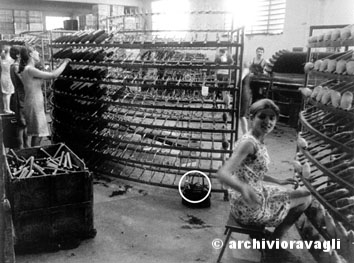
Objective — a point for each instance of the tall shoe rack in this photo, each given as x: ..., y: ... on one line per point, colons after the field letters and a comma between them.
x: 329, y: 132
x: 146, y: 108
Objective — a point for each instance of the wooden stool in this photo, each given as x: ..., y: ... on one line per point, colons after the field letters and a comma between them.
x: 233, y: 226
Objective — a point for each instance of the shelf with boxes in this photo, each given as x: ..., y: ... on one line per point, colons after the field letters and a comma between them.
x: 326, y: 142
x: 331, y: 36
x: 17, y: 21
x: 147, y: 109
x: 130, y: 18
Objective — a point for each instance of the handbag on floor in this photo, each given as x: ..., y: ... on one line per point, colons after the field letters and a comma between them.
x: 195, y: 190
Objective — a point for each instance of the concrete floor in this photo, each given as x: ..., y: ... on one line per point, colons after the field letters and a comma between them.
x: 149, y: 224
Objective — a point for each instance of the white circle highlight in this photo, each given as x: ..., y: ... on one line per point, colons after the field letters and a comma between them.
x: 180, y: 190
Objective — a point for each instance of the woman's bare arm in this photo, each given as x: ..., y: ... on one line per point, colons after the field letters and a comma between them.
x: 271, y: 179
x: 36, y: 73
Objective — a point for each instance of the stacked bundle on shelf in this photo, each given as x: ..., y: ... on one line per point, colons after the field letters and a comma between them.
x: 330, y: 93
x: 337, y: 34
x: 84, y: 37
x: 338, y: 63
x: 13, y: 41
x: 22, y: 40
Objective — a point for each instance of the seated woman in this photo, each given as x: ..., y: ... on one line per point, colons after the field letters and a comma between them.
x: 252, y: 201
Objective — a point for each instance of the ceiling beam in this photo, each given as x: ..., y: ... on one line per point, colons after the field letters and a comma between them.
x: 105, y: 2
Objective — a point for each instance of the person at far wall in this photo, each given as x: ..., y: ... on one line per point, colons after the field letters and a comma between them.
x: 222, y: 57
x: 258, y: 63
x: 32, y: 78
x: 246, y: 98
x: 19, y: 98
x: 256, y: 68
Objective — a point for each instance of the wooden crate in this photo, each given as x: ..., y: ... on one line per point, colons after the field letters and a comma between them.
x: 49, y: 190
x: 51, y: 210
x: 53, y: 228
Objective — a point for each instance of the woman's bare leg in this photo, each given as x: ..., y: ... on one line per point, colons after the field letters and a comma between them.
x: 300, y: 200
x: 22, y: 137
x: 7, y: 101
x: 25, y: 138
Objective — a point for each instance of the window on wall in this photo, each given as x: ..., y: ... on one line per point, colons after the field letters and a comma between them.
x: 131, y: 10
x: 172, y: 16
x: 258, y: 16
x: 269, y: 17
x: 6, y: 22
x: 55, y: 22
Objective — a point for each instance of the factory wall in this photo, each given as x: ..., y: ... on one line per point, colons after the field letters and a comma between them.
x: 300, y: 15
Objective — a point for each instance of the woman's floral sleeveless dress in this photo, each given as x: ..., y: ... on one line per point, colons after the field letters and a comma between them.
x: 275, y: 202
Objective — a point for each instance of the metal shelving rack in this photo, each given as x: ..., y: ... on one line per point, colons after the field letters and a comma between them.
x: 149, y: 117
x: 329, y: 132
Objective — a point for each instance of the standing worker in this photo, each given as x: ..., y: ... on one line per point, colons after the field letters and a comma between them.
x: 34, y: 101
x: 246, y: 98
x: 257, y: 68
x: 258, y: 63
x: 19, y: 98
x: 222, y: 58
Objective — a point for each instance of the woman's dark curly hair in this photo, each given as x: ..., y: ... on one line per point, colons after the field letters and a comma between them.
x: 14, y: 52
x: 25, y: 56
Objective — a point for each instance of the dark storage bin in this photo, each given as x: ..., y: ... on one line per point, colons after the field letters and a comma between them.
x: 50, y: 190
x: 71, y: 24
x: 53, y: 227
x: 51, y: 210
x: 9, y: 126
